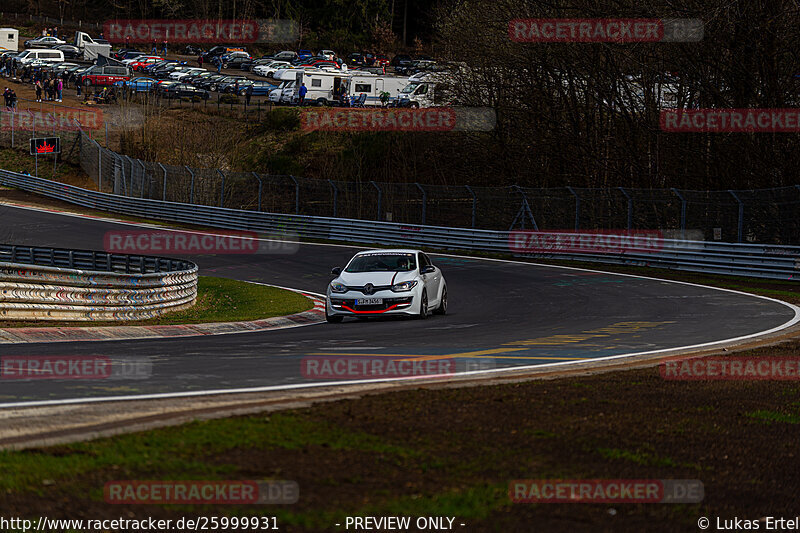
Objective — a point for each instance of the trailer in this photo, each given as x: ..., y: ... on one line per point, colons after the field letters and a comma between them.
x: 91, y: 49
x: 9, y: 39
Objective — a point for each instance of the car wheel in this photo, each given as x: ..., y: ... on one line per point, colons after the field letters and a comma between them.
x: 333, y: 319
x: 423, y: 307
x: 321, y: 102
x: 442, y: 309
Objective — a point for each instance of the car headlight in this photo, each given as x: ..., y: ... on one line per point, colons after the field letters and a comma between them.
x: 338, y: 287
x: 404, y: 286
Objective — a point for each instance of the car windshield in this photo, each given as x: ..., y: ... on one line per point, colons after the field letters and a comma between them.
x: 408, y: 89
x: 382, y: 263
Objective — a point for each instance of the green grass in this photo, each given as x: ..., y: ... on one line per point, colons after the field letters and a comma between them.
x: 638, y: 457
x: 179, y: 452
x: 218, y: 300
x: 772, y: 416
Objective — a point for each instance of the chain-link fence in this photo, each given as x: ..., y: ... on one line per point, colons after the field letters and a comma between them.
x: 765, y: 215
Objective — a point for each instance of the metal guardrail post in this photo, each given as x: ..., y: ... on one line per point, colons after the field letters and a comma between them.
x: 222, y: 189
x: 577, y: 208
x: 99, y: 168
x: 191, y: 185
x: 474, y: 205
x: 144, y: 175
x: 741, y: 215
x: 335, y: 197
x: 630, y: 206
x: 380, y: 199
x: 118, y: 160
x: 683, y: 211
x: 424, y: 203
x: 296, y: 195
x: 260, y: 188
x: 164, y: 191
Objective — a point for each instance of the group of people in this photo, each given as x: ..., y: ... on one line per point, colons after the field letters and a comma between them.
x: 51, y: 88
x: 10, y: 98
x: 8, y: 67
x: 50, y: 32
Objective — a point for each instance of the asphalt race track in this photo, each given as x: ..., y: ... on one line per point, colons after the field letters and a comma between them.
x: 501, y: 314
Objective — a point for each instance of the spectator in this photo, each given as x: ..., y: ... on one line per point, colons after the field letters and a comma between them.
x: 46, y: 88
x: 55, y: 32
x: 155, y: 47
x: 303, y: 91
x: 219, y: 64
x: 127, y: 41
x: 13, y: 100
x: 78, y: 86
x: 7, y: 98
x: 101, y: 35
x: 164, y: 48
x: 44, y: 32
x: 200, y: 61
x: 248, y: 94
x: 60, y: 89
x: 38, y: 86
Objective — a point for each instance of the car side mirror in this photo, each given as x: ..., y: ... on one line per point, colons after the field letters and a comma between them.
x: 336, y: 271
x: 427, y: 269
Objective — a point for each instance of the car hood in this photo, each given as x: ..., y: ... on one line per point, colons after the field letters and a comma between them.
x: 359, y: 279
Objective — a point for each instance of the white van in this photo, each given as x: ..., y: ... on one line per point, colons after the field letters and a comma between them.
x: 9, y: 39
x: 48, y: 56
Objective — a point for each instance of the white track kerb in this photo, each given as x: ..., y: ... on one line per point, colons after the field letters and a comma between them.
x: 788, y: 324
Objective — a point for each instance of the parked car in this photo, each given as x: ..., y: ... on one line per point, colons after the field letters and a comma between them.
x: 206, y: 83
x: 268, y: 70
x: 44, y: 42
x: 218, y: 51
x: 138, y: 63
x: 401, y: 60
x: 235, y: 59
x: 183, y: 90
x: 381, y: 60
x: 105, y: 75
x: 260, y: 88
x: 228, y: 84
x: 70, y: 52
x: 304, y: 54
x: 137, y: 85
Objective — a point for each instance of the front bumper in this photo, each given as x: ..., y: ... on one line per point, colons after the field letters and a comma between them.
x: 394, y: 303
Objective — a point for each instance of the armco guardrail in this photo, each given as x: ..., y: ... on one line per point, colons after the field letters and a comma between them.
x: 57, y: 284
x: 757, y: 260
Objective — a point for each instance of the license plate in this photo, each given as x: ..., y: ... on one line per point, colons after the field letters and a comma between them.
x: 369, y: 301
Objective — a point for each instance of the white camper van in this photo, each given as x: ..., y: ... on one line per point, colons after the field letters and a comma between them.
x: 9, y: 39
x: 427, y: 89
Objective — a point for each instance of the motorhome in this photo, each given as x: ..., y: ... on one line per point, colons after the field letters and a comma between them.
x: 427, y: 89
x: 374, y: 86
x: 323, y: 86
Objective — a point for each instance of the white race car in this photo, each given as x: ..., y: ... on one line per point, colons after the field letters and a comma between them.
x: 386, y: 282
